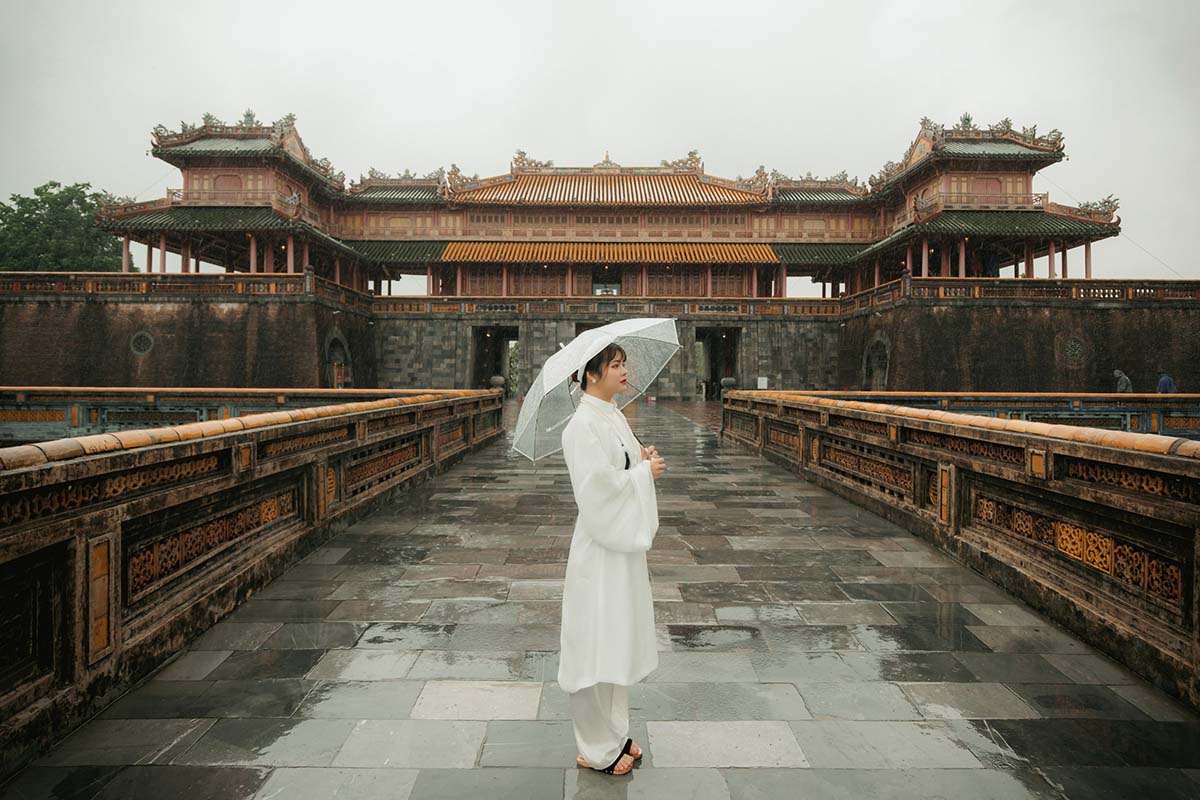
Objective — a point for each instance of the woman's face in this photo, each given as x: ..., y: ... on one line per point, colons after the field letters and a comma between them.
x: 613, y: 380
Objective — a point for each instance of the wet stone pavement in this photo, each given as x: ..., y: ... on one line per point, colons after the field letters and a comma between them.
x: 808, y: 649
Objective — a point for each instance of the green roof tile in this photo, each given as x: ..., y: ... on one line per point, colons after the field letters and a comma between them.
x: 415, y: 195
x: 994, y: 149
x: 815, y: 197
x: 221, y: 146
x: 398, y: 252
x: 1015, y: 224
x: 817, y: 254
x: 1011, y: 223
x: 204, y: 218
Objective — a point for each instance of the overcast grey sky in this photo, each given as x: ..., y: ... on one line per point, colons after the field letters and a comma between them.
x: 796, y: 86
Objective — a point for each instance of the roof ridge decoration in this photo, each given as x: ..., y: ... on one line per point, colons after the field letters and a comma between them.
x: 523, y: 165
x: 376, y: 179
x: 248, y: 127
x: 932, y: 137
x: 1102, y: 210
x: 840, y: 181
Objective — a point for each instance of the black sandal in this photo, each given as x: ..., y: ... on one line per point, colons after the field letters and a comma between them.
x: 609, y: 769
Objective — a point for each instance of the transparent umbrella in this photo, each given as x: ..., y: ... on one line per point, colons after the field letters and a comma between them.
x: 649, y: 343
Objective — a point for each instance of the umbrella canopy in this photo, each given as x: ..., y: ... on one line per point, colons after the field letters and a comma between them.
x: 648, y: 342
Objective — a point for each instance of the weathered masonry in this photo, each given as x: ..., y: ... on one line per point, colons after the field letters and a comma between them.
x: 117, y: 548
x: 273, y: 330
x: 1099, y: 530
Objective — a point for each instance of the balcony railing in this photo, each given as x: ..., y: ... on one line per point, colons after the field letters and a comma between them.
x: 957, y: 201
x: 285, y: 205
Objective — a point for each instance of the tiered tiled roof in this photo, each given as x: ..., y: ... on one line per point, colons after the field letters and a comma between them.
x: 539, y: 183
x: 817, y: 254
x: 1015, y: 224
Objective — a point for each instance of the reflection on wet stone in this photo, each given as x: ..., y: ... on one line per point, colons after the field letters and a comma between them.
x: 807, y: 648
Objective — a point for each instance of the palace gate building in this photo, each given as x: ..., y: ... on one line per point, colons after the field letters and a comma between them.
x: 542, y: 251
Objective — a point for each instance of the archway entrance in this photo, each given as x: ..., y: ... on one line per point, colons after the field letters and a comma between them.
x: 491, y: 345
x: 718, y: 351
x: 875, y: 367
x: 338, y: 372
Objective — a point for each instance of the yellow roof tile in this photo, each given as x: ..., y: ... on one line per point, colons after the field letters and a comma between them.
x: 609, y: 252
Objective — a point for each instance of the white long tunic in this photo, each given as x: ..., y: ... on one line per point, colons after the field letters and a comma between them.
x: 607, y: 612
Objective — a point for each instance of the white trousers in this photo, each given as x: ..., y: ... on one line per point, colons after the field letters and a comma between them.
x: 601, y: 716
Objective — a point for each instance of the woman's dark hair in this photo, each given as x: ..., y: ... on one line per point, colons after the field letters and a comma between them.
x: 598, y: 364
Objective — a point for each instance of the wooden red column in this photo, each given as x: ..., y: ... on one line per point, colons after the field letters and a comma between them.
x: 162, y: 252
x: 708, y: 281
x: 962, y: 258
x: 337, y: 270
x: 429, y: 279
x: 877, y: 272
x: 253, y: 254
x: 908, y: 259
x: 306, y: 262
x: 1064, y: 261
x: 149, y: 257
x: 291, y: 254
x: 1087, y: 260
x: 185, y: 258
x: 1028, y: 259
x: 458, y: 280
x: 125, y: 263
x: 924, y: 258
x: 269, y: 261
x: 1052, y: 275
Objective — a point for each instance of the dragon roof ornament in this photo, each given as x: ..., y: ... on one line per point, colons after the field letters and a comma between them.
x: 377, y: 178
x: 840, y: 181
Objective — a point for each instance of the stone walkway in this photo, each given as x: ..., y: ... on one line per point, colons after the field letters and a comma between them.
x: 808, y: 649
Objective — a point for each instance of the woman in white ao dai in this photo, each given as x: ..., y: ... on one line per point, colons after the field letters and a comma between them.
x: 608, y: 640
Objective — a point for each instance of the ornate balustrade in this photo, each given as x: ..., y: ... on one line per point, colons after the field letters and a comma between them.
x: 117, y: 548
x: 234, y: 284
x: 39, y: 413
x: 1100, y: 530
x: 171, y: 285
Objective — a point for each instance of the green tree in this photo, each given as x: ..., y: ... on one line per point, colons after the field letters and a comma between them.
x: 55, y: 230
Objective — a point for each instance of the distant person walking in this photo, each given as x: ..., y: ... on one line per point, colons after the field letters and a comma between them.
x: 1165, y: 384
x: 1123, y: 382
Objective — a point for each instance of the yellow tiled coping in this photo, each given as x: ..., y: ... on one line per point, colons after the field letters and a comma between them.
x: 31, y: 455
x: 1143, y: 442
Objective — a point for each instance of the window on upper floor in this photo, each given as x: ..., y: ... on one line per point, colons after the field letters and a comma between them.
x: 529, y: 218
x: 610, y: 220
x: 675, y: 220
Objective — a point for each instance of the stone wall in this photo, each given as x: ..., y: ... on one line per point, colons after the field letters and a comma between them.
x: 914, y: 340
x: 210, y: 342
x: 439, y: 351
x: 1015, y: 345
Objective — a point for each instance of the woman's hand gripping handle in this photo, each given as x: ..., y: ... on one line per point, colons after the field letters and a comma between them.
x: 657, y: 465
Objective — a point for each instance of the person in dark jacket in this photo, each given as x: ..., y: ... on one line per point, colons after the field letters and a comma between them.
x: 1165, y: 384
x: 1123, y: 382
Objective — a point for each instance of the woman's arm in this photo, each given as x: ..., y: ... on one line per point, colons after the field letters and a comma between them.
x: 618, y: 508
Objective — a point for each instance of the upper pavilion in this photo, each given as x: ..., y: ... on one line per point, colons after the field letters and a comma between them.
x: 960, y: 202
